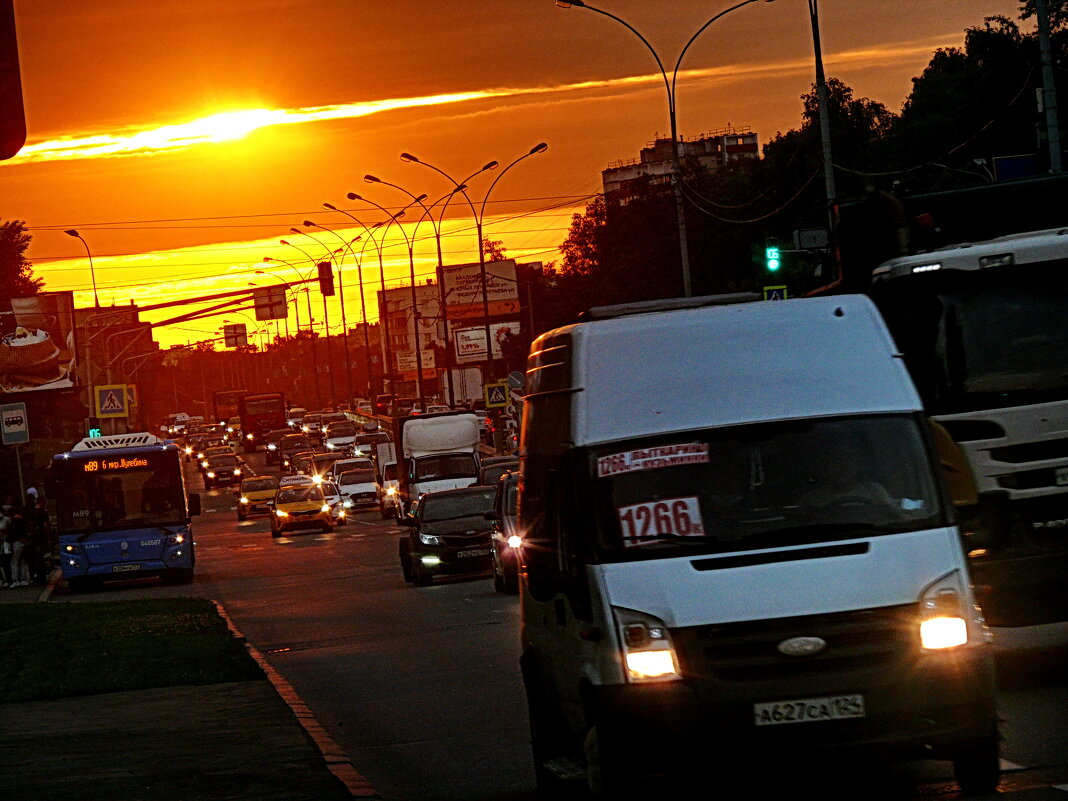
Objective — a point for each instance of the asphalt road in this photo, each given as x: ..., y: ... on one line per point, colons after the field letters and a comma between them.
x: 421, y: 686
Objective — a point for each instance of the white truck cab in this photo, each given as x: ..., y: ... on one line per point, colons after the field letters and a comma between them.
x: 737, y: 545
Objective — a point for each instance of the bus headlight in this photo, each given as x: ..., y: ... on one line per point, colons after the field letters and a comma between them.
x: 943, y: 622
x: 646, y: 645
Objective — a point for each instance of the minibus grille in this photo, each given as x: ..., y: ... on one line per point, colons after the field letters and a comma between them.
x: 743, y: 653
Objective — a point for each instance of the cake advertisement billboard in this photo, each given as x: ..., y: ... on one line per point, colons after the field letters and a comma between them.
x: 37, y: 343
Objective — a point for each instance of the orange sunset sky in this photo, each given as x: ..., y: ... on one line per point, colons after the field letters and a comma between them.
x: 184, y: 138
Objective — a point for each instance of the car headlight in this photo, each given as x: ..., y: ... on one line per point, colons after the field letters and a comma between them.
x: 391, y: 491
x: 430, y: 539
x: 317, y: 479
x: 647, y: 651
x: 211, y: 474
x: 188, y: 451
x: 347, y: 503
x: 330, y: 446
x: 272, y: 447
x: 237, y: 471
x: 305, y: 429
x: 325, y: 508
x: 281, y: 513
x: 244, y: 499
x: 944, y: 618
x: 249, y: 436
x: 515, y: 541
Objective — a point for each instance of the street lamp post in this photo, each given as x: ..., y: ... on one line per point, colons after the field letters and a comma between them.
x: 392, y: 219
x: 436, y: 225
x: 326, y: 313
x: 311, y: 321
x: 341, y: 292
x: 410, y: 242
x: 479, y: 217
x: 92, y: 271
x: 669, y: 85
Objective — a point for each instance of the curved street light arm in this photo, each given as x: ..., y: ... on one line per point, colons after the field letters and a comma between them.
x: 678, y: 62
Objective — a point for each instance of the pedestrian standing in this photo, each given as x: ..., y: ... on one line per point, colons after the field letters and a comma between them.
x: 40, y: 534
x: 5, y: 549
x: 20, y: 539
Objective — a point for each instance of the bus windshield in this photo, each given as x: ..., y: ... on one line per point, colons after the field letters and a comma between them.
x: 95, y: 497
x: 764, y: 485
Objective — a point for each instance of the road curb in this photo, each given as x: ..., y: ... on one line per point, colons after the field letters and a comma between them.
x: 337, y: 761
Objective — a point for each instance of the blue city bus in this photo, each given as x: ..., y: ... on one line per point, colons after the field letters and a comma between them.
x: 122, y: 510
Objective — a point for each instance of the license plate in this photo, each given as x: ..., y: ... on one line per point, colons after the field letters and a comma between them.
x: 1061, y: 476
x: 473, y: 552
x: 809, y: 710
x: 124, y: 568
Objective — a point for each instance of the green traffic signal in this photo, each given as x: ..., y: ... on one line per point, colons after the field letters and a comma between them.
x: 771, y: 258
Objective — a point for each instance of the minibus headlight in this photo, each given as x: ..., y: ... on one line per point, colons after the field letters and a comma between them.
x: 646, y: 644
x: 943, y: 620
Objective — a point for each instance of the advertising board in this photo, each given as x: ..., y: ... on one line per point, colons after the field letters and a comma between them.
x: 463, y: 290
x: 471, y: 342
x: 37, y: 342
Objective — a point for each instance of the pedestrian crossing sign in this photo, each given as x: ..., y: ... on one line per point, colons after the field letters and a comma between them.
x: 496, y: 395
x: 111, y: 400
x: 775, y: 293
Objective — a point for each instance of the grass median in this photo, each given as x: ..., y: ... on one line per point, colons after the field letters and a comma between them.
x: 62, y: 650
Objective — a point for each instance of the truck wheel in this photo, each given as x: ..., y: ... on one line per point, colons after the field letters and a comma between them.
x: 977, y: 767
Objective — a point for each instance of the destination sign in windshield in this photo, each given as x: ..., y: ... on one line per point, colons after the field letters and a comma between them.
x: 125, y: 463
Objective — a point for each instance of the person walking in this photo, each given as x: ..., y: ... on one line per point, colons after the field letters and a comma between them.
x: 39, y: 528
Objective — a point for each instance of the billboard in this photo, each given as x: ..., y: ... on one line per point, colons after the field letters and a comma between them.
x: 463, y: 290
x: 37, y: 342
x: 471, y: 342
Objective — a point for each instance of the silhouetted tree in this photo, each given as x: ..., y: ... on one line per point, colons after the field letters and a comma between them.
x: 16, y: 272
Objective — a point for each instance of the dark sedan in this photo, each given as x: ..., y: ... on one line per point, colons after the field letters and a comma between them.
x: 449, y: 533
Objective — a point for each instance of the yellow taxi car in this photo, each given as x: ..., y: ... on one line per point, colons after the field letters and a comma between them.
x: 256, y: 495
x: 300, y: 506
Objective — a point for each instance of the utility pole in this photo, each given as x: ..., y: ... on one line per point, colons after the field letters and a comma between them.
x: 1049, y: 89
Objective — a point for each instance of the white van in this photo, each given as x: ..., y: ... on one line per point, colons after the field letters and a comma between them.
x: 738, y: 546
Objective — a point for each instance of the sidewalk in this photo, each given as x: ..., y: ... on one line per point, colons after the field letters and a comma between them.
x: 224, y: 742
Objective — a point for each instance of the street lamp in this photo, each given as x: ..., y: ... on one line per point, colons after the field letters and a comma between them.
x: 479, y: 217
x: 92, y: 272
x: 384, y: 314
x: 344, y: 322
x: 311, y: 322
x: 436, y: 225
x: 410, y: 242
x: 326, y: 313
x: 680, y: 209
x: 382, y: 317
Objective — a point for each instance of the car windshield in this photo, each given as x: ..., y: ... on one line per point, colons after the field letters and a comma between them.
x: 222, y: 461
x: 260, y: 484
x: 764, y: 485
x: 451, y: 465
x: 341, y: 430
x: 302, y: 493
x: 490, y: 475
x: 450, y: 506
x: 357, y: 477
x: 329, y: 488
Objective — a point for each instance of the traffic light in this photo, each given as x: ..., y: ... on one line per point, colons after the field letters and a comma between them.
x: 772, y: 262
x: 326, y: 278
x: 92, y: 427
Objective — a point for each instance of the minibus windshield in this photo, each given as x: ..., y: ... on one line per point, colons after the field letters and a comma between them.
x: 764, y: 485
